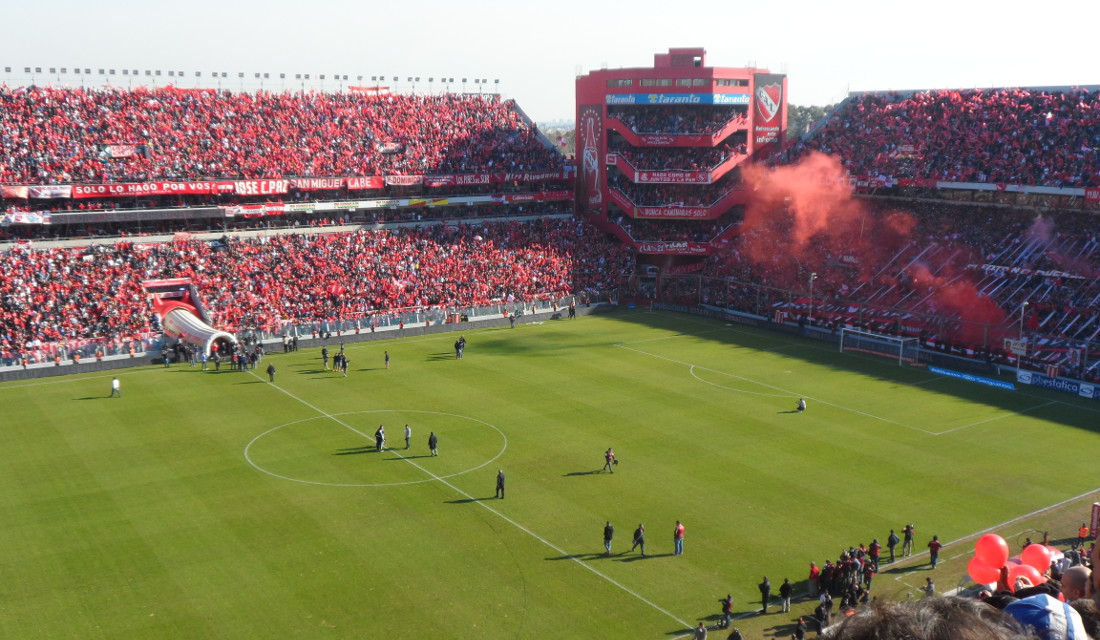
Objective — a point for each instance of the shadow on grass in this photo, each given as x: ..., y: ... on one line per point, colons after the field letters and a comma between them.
x: 791, y: 411
x: 400, y: 457
x: 92, y: 398
x: 469, y: 500
x: 622, y: 557
x: 354, y: 451
x: 442, y: 356
x: 582, y: 473
x: 585, y: 556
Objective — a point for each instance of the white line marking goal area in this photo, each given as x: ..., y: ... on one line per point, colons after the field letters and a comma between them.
x: 791, y: 395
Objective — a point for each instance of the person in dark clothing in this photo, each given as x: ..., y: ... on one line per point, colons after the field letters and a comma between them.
x: 271, y: 372
x: 785, y: 590
x: 433, y: 444
x: 639, y: 539
x: 500, y: 484
x: 892, y: 543
x: 765, y: 594
x: 608, y: 534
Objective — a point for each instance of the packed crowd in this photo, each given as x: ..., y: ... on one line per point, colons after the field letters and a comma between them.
x: 643, y: 230
x: 60, y: 295
x: 1015, y: 136
x: 954, y: 258
x: 62, y: 135
x: 664, y: 195
x: 678, y: 158
x: 705, y: 119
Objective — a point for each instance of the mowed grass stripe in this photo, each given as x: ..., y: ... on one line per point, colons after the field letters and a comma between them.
x: 186, y: 539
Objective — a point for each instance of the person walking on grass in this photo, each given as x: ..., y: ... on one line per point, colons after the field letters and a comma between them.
x: 609, y: 460
x: 678, y: 539
x: 116, y: 388
x: 608, y: 534
x: 387, y: 359
x: 408, y: 435
x: 500, y: 484
x: 433, y: 443
x: 639, y: 539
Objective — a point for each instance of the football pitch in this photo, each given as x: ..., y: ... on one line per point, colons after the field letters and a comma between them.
x: 220, y: 505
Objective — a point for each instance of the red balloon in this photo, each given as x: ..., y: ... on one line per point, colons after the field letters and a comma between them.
x: 992, y: 549
x: 982, y: 573
x: 1038, y: 556
x: 1025, y: 571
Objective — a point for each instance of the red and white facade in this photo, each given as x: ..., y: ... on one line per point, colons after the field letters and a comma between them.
x: 632, y: 166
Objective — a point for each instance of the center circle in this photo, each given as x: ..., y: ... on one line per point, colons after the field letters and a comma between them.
x: 308, y: 450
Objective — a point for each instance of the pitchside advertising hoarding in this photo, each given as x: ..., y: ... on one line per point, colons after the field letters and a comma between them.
x: 1065, y: 385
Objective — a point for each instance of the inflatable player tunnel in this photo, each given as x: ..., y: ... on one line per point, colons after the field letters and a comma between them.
x: 183, y: 317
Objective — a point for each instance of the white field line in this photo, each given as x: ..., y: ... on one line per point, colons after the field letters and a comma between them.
x: 1003, y: 415
x: 1001, y: 525
x: 786, y: 391
x: 491, y: 510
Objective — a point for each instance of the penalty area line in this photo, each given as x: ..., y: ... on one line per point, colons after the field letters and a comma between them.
x: 481, y: 504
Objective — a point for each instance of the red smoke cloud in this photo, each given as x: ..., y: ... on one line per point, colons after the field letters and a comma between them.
x: 803, y: 218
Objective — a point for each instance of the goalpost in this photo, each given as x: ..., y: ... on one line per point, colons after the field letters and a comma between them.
x: 880, y: 344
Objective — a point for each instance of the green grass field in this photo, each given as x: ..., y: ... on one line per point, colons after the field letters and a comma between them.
x: 217, y: 505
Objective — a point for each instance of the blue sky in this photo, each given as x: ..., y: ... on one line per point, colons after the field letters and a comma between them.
x: 536, y: 49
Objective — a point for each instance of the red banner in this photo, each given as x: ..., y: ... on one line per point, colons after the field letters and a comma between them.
x: 672, y: 177
x: 460, y: 179
x: 366, y: 182
x: 692, y: 213
x: 125, y: 189
x: 316, y: 184
x: 674, y: 248
x: 260, y: 187
x: 663, y: 140
x: 1092, y: 195
x: 14, y: 192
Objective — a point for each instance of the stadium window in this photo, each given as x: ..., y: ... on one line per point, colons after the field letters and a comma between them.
x: 683, y: 82
x: 664, y: 82
x: 649, y: 82
x: 700, y: 82
x: 624, y: 82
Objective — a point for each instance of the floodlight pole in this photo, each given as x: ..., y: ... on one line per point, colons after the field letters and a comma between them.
x: 1020, y: 356
x: 813, y: 276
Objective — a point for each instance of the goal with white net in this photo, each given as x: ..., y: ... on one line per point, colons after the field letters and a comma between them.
x: 880, y: 344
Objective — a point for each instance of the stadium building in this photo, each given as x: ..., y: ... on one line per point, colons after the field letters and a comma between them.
x: 661, y: 149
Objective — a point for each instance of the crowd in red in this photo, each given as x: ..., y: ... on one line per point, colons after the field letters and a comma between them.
x: 953, y: 259
x: 1015, y: 136
x: 664, y: 195
x: 61, y: 135
x: 678, y: 158
x: 677, y: 120
x: 644, y: 230
x: 70, y: 295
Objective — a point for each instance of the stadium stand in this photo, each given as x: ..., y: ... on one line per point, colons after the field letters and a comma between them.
x: 65, y: 135
x: 61, y: 300
x: 1045, y: 137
